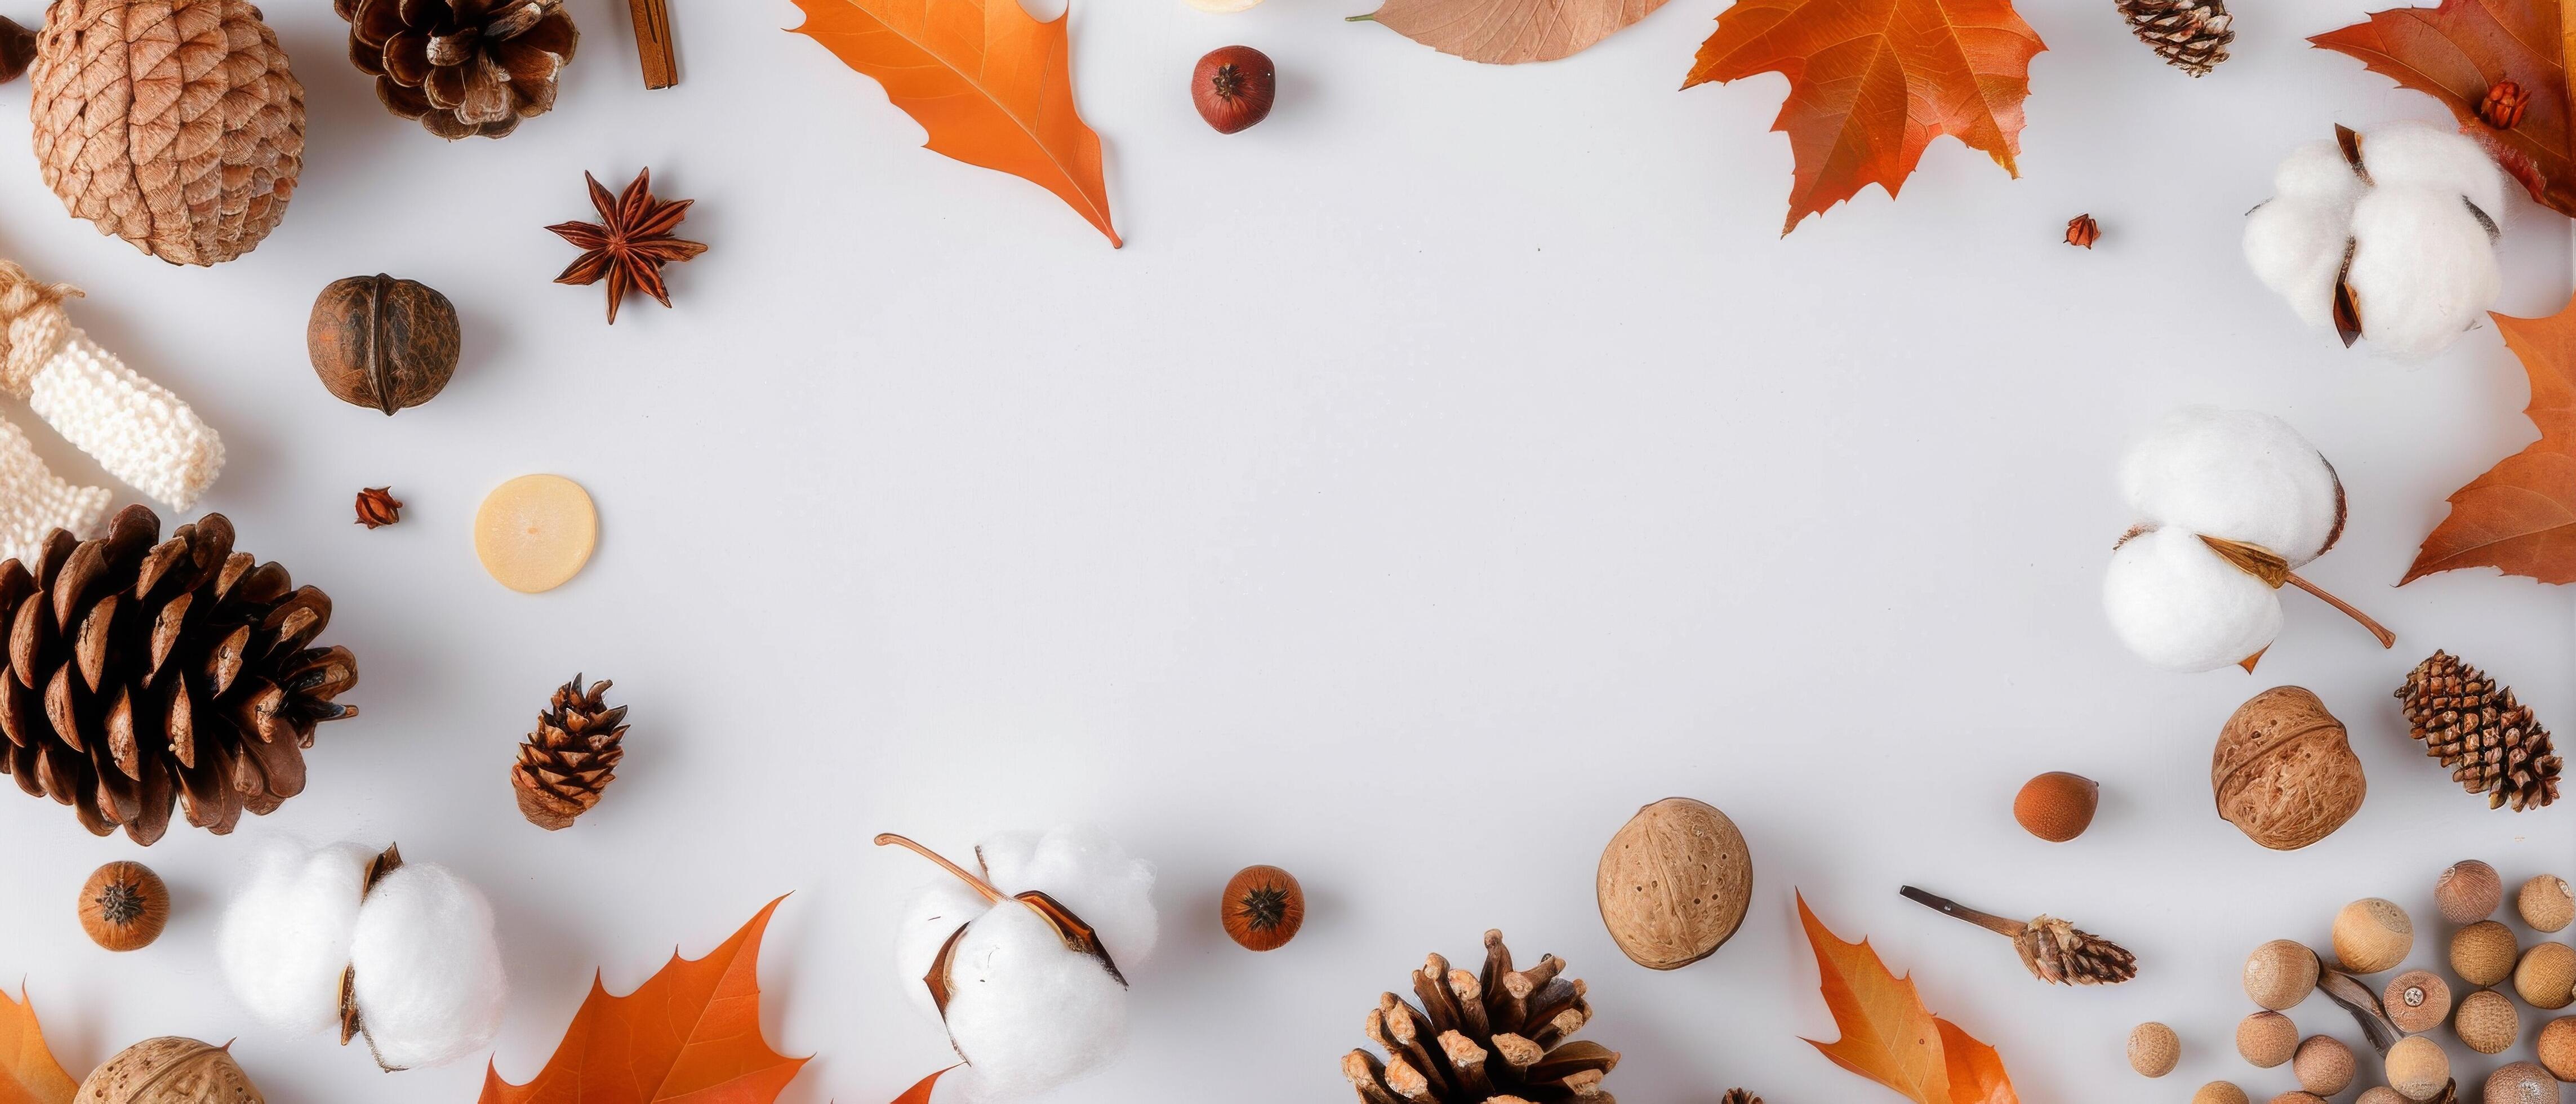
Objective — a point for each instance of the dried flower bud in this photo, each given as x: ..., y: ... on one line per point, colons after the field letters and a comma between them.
x: 2083, y: 231
x: 382, y: 342
x: 2504, y: 104
x: 378, y: 507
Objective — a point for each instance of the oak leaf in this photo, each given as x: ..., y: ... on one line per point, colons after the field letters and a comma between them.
x: 1888, y: 1037
x: 2457, y: 53
x: 690, y: 1033
x: 28, y: 1072
x: 2521, y: 515
x: 992, y: 85
x: 1508, y: 32
x: 1872, y: 82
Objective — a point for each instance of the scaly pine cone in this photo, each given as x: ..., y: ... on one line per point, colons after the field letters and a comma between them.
x: 1739, y: 1096
x: 571, y: 757
x: 1499, y: 1035
x: 2052, y: 950
x: 2476, y: 727
x: 461, y: 67
x: 2191, y: 35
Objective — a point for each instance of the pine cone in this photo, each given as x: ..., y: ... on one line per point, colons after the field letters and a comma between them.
x: 571, y: 757
x: 173, y: 124
x: 143, y: 672
x: 2060, y: 953
x: 2191, y: 35
x: 1739, y: 1096
x: 1495, y: 1036
x: 461, y: 67
x: 2473, y: 725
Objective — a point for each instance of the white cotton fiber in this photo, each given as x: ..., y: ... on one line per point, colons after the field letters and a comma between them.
x: 932, y: 914
x: 2175, y: 603
x: 2423, y: 265
x: 2238, y: 474
x: 1089, y: 873
x: 285, y: 938
x: 427, y: 968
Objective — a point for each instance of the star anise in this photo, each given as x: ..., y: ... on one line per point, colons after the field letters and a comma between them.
x: 630, y: 243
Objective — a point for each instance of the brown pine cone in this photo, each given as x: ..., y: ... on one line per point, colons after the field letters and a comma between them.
x: 461, y: 67
x: 1498, y: 1036
x: 2475, y: 726
x: 1739, y: 1096
x: 2191, y: 35
x: 570, y: 759
x: 143, y: 672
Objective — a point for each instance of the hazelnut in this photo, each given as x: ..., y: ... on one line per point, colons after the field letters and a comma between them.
x: 2283, y: 772
x: 2546, y: 904
x: 2057, y: 806
x: 1263, y: 908
x: 2280, y: 974
x: 2219, y: 1092
x: 2483, y: 953
x: 2323, y: 1065
x: 2543, y: 977
x: 2379, y: 1094
x: 2557, y: 1047
x: 2417, y: 1068
x: 1673, y: 883
x: 2417, y: 1001
x: 2372, y: 935
x: 2153, y: 1049
x: 382, y: 342
x: 2267, y: 1039
x: 2487, y: 1022
x: 2522, y: 1083
x: 123, y: 906
x: 1233, y: 87
x: 2468, y: 892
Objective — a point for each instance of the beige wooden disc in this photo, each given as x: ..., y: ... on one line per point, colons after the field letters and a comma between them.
x: 535, y: 532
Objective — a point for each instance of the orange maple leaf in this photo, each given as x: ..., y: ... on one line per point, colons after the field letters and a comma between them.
x: 2458, y: 52
x: 993, y: 86
x: 1889, y: 1038
x: 690, y: 1033
x: 1872, y: 82
x: 28, y: 1072
x: 2521, y: 515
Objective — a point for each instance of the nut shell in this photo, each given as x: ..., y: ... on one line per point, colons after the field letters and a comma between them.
x: 1233, y: 87
x: 2323, y: 1065
x: 2557, y: 1047
x: 2266, y: 1039
x: 2219, y: 1092
x: 2283, y: 772
x: 2483, y: 953
x: 2544, y: 976
x: 2417, y: 1001
x: 2487, y: 1022
x: 1263, y: 908
x: 2372, y: 935
x: 2468, y: 892
x: 2280, y: 974
x: 1673, y: 883
x: 2057, y: 806
x: 124, y: 906
x: 2417, y: 1068
x: 2522, y: 1083
x: 2154, y: 1049
x: 169, y: 1070
x: 381, y: 342
x: 2545, y: 903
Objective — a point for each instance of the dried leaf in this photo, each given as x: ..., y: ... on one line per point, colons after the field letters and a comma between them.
x: 2521, y: 515
x: 1889, y: 1038
x: 2456, y: 52
x: 993, y: 86
x: 920, y: 1093
x: 690, y: 1033
x: 28, y: 1072
x: 1872, y: 82
x: 1508, y: 32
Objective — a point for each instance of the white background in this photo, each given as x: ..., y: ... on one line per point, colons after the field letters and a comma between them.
x: 1446, y: 467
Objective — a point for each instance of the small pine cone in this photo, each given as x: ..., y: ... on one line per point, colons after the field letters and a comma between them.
x: 1739, y: 1096
x: 1521, y: 1017
x: 2191, y: 35
x: 572, y: 756
x: 2475, y: 727
x: 2061, y: 954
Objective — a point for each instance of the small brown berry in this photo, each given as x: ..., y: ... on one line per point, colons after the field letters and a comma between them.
x: 2487, y: 1022
x: 2544, y: 976
x: 2503, y: 105
x: 2219, y: 1092
x: 2417, y: 1068
x: 2372, y: 935
x: 2057, y: 806
x: 378, y: 507
x: 2323, y: 1065
x: 2280, y: 974
x: 2468, y: 892
x: 2557, y: 1047
x: 1263, y: 907
x: 2082, y: 231
x: 123, y: 906
x: 2483, y: 953
x: 2154, y: 1049
x: 2267, y: 1039
x: 2417, y: 1001
x: 2546, y: 904
x: 1233, y: 87
x: 2522, y: 1083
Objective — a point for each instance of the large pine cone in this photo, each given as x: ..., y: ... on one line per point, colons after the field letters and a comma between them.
x: 461, y: 67
x: 1499, y: 1035
x: 173, y: 124
x: 143, y: 671
x: 571, y: 758
x: 2191, y: 35
x: 2475, y: 726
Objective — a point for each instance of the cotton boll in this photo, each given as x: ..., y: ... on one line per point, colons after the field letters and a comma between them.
x: 285, y: 938
x: 2241, y: 475
x: 1025, y: 1012
x: 2423, y: 268
x: 2296, y: 249
x: 2175, y: 603
x: 2410, y: 154
x: 1088, y: 872
x: 931, y: 915
x: 427, y: 968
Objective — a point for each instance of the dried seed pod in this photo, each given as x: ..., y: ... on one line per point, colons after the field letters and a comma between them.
x: 2323, y: 1065
x: 2545, y: 903
x: 2154, y: 1049
x: 169, y: 1070
x: 2483, y: 953
x: 2057, y: 806
x: 2280, y: 974
x: 2283, y: 772
x: 1673, y: 883
x: 2082, y: 231
x: 2468, y: 892
x: 124, y: 906
x: 2544, y: 976
x: 2417, y: 1001
x: 2266, y: 1039
x: 382, y: 342
x: 2487, y: 1022
x: 2053, y: 950
x: 1263, y: 908
x: 377, y: 507
x: 2521, y: 1083
x: 2219, y: 1092
x: 2372, y: 935
x: 2417, y: 1068
x: 2379, y: 1094
x: 2503, y: 105
x: 2557, y: 1047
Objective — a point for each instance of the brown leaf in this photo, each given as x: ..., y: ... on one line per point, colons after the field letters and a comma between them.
x: 1508, y: 32
x: 2456, y: 53
x: 2521, y: 515
x: 1889, y: 1038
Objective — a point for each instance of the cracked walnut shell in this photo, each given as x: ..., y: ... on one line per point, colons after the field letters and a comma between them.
x: 2283, y: 772
x: 169, y: 1070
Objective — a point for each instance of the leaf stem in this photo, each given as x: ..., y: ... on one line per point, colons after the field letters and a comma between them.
x: 2008, y: 928
x: 2387, y: 639
x: 1369, y: 18
x: 889, y: 839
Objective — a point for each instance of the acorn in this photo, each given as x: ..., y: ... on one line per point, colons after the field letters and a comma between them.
x: 2057, y: 806
x: 123, y: 906
x: 1263, y: 908
x: 1233, y: 87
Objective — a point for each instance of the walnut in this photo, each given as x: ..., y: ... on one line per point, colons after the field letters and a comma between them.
x: 2283, y: 772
